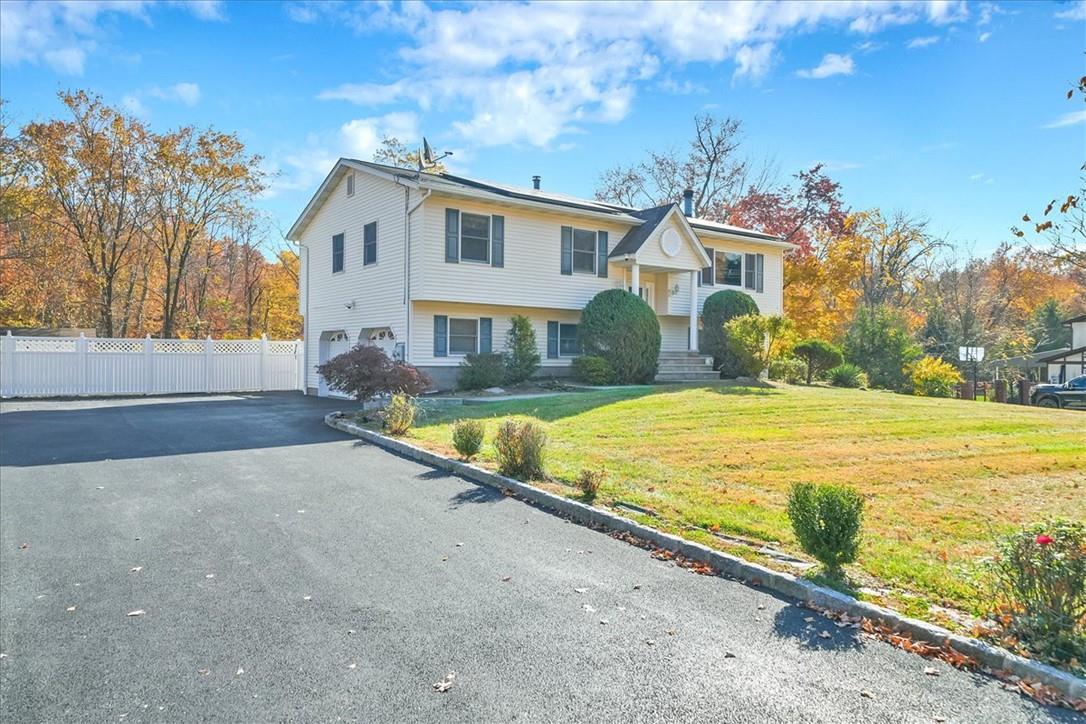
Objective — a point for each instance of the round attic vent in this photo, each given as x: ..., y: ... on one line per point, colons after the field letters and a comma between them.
x: 670, y: 243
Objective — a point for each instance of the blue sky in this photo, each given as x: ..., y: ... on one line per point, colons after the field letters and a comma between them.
x: 951, y: 110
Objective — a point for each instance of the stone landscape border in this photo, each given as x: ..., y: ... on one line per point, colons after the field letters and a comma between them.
x: 794, y: 587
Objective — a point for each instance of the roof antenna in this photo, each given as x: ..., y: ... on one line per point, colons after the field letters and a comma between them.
x: 427, y: 158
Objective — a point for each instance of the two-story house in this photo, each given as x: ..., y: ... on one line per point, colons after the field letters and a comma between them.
x: 432, y: 267
x: 1063, y: 364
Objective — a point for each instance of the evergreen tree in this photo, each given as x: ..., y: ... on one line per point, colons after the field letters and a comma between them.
x: 1048, y: 327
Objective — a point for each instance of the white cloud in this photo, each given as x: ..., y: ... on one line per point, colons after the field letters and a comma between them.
x: 1067, y: 119
x: 983, y: 37
x: 132, y: 104
x: 187, y: 93
x: 923, y: 42
x: 361, y: 137
x: 835, y: 166
x: 532, y: 72
x: 63, y: 34
x: 832, y: 64
x: 1076, y: 11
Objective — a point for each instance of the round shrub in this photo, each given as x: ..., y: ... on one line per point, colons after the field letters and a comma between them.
x: 826, y: 520
x: 788, y: 369
x: 1041, y: 576
x: 467, y: 437
x: 818, y: 356
x: 479, y: 371
x: 592, y: 370
x: 623, y: 329
x: 399, y: 414
x: 933, y: 377
x: 719, y: 309
x: 519, y: 449
x: 847, y: 374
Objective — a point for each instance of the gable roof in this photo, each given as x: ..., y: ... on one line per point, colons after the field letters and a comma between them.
x: 654, y: 218
x: 1072, y: 320
x: 462, y: 185
x: 1063, y: 355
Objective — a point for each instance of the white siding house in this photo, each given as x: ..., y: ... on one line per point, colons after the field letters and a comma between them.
x: 430, y: 266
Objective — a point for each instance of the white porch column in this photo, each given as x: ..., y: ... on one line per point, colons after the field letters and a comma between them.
x: 694, y: 310
x: 635, y: 278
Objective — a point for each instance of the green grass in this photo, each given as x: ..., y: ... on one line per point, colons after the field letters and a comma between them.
x: 942, y: 478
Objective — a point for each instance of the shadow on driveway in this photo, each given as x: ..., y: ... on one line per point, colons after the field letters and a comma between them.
x: 52, y: 432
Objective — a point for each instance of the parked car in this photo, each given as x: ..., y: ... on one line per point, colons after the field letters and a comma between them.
x: 1071, y: 394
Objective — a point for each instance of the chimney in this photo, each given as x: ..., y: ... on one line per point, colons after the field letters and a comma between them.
x: 688, y: 203
x: 535, y: 182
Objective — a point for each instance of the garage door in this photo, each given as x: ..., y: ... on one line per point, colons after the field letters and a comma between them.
x: 332, y: 344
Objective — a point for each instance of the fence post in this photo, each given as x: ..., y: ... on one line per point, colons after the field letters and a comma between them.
x: 81, y: 361
x: 263, y: 362
x: 299, y: 359
x: 148, y: 365
x: 7, y: 366
x: 209, y: 362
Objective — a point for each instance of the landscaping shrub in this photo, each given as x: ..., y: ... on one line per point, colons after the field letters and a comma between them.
x: 788, y: 369
x: 592, y: 370
x: 879, y: 342
x: 521, y: 351
x: 467, y: 437
x: 479, y: 371
x: 818, y: 355
x: 366, y: 371
x: 847, y: 374
x: 589, y: 482
x: 826, y: 520
x: 519, y: 449
x: 932, y: 377
x: 720, y: 308
x: 623, y: 329
x: 399, y: 414
x: 1041, y: 576
x: 755, y: 341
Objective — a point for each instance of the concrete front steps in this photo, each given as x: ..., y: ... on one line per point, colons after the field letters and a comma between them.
x: 685, y: 367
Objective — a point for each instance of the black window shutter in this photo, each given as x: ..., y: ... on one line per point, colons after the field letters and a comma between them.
x: 749, y: 271
x: 497, y: 241
x: 567, y: 250
x: 707, y: 272
x: 452, y: 235
x: 552, y: 340
x: 441, y: 335
x: 601, y: 254
x: 760, y: 274
x: 485, y: 325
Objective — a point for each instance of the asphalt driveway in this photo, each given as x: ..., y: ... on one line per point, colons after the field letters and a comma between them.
x: 286, y: 572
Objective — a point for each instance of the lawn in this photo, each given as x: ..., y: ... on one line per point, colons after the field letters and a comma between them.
x: 942, y: 478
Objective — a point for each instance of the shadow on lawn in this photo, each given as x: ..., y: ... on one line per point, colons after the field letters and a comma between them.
x: 549, y: 409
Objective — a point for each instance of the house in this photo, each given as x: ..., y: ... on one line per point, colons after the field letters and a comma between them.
x: 432, y: 266
x: 1063, y: 364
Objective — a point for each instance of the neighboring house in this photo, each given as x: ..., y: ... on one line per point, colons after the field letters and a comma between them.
x: 1063, y: 364
x: 431, y: 267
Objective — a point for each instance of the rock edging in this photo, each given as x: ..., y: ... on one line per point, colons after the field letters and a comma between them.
x: 785, y: 584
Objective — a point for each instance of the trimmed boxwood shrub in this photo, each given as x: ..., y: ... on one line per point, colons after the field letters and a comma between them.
x: 719, y: 309
x: 623, y: 329
x: 592, y: 370
x: 479, y: 371
x: 826, y: 520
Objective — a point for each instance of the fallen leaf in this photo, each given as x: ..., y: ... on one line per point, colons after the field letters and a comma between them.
x: 650, y: 642
x: 70, y: 608
x: 203, y: 672
x: 137, y: 612
x: 135, y: 569
x: 931, y: 671
x: 100, y: 487
x: 352, y: 666
x: 24, y: 546
x: 210, y: 575
x: 580, y: 590
x: 588, y: 608
x: 459, y: 545
x: 761, y: 606
x: 729, y: 655
x: 444, y: 558
x: 824, y: 635
x: 3, y: 656
x: 808, y: 619
x: 671, y: 631
x: 446, y: 683
x: 603, y: 621
x: 938, y: 718
x: 506, y: 579
x: 637, y: 587
x: 307, y: 598
x: 350, y: 631
x: 301, y: 511
x: 240, y: 671
x: 867, y: 694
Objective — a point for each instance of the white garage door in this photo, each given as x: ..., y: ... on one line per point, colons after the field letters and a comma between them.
x: 332, y: 344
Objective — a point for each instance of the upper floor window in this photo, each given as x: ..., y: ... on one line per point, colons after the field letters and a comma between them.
x: 350, y: 184
x: 337, y: 253
x: 369, y: 243
x: 584, y: 251
x: 729, y: 268
x: 475, y: 237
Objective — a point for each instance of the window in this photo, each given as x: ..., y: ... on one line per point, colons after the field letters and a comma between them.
x: 729, y: 268
x: 584, y: 251
x: 337, y: 253
x: 1078, y: 383
x: 475, y: 237
x: 350, y: 185
x: 463, y: 335
x: 369, y: 243
x: 568, y: 344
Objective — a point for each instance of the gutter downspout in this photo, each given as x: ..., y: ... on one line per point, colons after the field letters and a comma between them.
x: 408, y: 209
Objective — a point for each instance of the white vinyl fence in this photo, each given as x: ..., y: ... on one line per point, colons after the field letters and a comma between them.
x: 68, y: 366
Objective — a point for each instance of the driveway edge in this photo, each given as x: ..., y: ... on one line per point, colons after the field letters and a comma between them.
x: 785, y: 584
